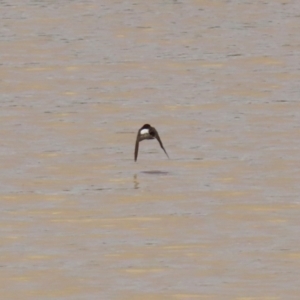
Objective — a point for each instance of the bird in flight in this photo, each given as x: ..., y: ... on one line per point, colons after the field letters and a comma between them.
x: 147, y: 132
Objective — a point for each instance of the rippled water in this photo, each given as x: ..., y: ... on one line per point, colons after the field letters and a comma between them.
x: 220, y: 82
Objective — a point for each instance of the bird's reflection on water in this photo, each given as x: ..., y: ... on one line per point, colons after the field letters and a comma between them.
x: 135, y: 181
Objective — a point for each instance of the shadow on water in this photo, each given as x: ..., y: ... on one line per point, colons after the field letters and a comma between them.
x: 155, y: 172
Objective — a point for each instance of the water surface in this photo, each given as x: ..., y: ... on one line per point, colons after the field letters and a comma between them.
x: 220, y: 82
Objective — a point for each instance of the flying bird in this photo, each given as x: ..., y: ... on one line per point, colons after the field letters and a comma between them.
x: 147, y: 132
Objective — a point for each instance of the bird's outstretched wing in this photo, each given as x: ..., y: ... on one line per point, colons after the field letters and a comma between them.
x: 160, y: 142
x: 136, y: 150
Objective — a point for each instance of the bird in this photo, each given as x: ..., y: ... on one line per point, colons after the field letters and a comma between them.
x: 147, y: 132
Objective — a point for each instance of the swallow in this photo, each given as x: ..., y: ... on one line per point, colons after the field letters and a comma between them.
x: 147, y: 132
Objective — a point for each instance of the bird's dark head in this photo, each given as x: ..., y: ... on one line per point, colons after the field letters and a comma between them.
x: 146, y: 126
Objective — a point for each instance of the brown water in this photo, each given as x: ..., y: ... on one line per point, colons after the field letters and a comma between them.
x: 80, y: 219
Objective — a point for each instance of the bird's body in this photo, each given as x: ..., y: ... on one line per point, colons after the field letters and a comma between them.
x: 147, y: 132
